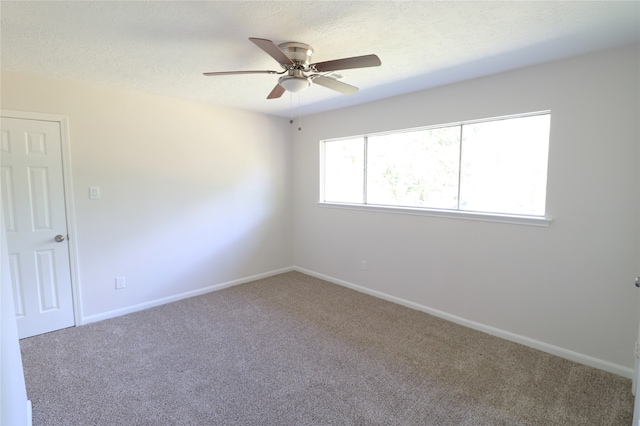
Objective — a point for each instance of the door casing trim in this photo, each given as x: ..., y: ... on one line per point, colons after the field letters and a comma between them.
x: 63, y: 122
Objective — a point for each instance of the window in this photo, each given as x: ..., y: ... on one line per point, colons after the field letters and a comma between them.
x: 496, y: 166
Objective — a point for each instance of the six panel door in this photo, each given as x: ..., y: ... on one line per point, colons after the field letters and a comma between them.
x: 33, y: 207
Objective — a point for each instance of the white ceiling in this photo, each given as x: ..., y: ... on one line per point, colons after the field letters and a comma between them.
x: 164, y: 47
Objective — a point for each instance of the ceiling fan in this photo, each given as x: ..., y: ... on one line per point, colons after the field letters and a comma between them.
x: 298, y: 73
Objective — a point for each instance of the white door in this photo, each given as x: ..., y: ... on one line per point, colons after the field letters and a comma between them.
x: 33, y: 207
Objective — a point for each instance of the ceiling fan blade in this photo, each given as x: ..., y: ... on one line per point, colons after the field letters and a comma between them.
x: 332, y: 83
x: 276, y: 92
x: 239, y: 72
x: 272, y: 50
x: 348, y: 63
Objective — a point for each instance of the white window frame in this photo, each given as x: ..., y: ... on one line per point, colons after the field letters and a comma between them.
x: 425, y: 211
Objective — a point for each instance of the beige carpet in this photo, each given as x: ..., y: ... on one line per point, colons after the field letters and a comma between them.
x: 296, y: 350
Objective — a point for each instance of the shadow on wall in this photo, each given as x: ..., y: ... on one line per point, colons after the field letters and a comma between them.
x: 181, y: 228
x: 213, y: 237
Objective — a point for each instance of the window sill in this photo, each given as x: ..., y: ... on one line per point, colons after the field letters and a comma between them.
x: 451, y: 214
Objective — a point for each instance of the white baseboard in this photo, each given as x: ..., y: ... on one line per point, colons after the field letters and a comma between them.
x: 536, y: 344
x: 175, y: 298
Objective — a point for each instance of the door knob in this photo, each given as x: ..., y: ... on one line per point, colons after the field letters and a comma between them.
x: 59, y: 238
x: 637, y: 281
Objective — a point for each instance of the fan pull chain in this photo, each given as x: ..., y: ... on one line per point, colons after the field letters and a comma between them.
x: 299, y: 115
x: 290, y: 108
x: 291, y: 120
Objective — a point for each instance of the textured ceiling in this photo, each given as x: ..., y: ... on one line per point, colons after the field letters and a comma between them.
x: 164, y: 46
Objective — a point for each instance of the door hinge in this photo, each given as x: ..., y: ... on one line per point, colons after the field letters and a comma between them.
x: 637, y: 350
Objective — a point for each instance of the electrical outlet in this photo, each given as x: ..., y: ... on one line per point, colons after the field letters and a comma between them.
x: 364, y: 265
x: 120, y: 283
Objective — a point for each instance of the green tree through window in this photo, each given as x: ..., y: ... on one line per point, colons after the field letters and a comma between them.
x: 495, y: 166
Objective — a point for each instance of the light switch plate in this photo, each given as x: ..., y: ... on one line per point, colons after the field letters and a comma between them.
x: 94, y: 192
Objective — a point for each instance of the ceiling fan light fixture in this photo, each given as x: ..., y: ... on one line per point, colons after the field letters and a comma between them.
x: 294, y: 84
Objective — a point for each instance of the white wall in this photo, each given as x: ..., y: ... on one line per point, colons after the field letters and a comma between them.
x: 192, y: 195
x: 567, y: 287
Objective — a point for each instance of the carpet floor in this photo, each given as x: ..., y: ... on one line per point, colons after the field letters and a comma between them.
x: 295, y: 350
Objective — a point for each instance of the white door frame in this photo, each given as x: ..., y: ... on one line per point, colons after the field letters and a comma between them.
x: 68, y: 197
x: 635, y: 384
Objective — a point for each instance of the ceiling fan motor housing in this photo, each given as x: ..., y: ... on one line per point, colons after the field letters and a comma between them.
x: 299, y: 53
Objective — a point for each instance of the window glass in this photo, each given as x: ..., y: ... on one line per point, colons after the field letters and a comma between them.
x: 504, y: 166
x: 416, y: 169
x: 344, y: 171
x: 490, y: 166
